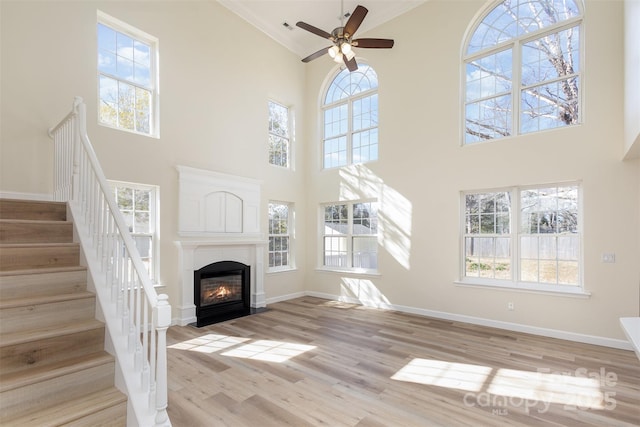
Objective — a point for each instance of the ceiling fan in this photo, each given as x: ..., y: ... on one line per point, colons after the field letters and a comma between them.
x: 343, y: 41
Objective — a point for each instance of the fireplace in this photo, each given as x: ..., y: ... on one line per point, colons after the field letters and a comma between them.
x: 222, y: 291
x: 218, y: 221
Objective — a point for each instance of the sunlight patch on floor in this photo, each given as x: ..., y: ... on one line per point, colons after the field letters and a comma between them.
x: 565, y: 389
x: 269, y: 351
x: 210, y: 343
x: 460, y: 376
x: 265, y: 350
x: 339, y: 304
x: 553, y: 388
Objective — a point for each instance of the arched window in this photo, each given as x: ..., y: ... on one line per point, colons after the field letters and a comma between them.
x: 522, y: 69
x: 350, y: 118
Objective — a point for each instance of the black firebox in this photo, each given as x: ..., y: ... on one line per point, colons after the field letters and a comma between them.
x: 222, y: 291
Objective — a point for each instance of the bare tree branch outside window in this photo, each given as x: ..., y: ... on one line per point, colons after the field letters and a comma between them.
x: 539, y: 87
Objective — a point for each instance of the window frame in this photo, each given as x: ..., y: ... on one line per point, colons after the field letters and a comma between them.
x: 349, y: 237
x: 289, y: 235
x: 514, y: 235
x: 153, y: 88
x: 348, y: 135
x: 516, y: 44
x: 154, y: 222
x: 288, y: 137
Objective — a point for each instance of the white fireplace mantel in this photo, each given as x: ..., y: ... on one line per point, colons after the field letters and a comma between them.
x: 218, y: 220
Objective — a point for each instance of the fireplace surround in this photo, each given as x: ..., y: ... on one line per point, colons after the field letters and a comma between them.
x: 222, y: 291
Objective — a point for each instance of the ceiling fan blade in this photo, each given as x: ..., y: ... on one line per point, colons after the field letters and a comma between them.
x: 314, y: 30
x: 373, y: 43
x: 316, y: 54
x: 355, y: 20
x: 352, y: 65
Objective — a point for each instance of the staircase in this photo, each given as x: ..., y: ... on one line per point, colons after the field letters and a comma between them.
x: 53, y: 367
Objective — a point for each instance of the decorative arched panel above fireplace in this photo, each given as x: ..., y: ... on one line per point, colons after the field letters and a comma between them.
x: 213, y: 203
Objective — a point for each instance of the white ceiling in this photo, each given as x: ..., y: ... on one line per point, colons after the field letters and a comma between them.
x: 270, y: 16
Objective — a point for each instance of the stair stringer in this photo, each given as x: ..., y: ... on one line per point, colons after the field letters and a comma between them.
x: 127, y: 379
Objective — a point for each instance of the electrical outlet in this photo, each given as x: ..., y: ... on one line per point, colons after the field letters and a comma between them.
x: 510, y: 306
x: 608, y: 257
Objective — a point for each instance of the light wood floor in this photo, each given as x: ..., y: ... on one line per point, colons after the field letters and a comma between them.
x: 313, y: 362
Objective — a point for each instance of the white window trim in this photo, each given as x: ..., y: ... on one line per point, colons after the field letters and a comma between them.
x: 349, y: 135
x: 349, y: 238
x: 154, y: 43
x: 291, y: 227
x: 515, y: 284
x: 154, y: 219
x: 291, y: 138
x: 515, y: 44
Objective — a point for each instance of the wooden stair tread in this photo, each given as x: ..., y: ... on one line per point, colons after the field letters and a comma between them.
x: 34, y: 221
x: 42, y: 373
x: 70, y: 411
x: 42, y: 270
x: 37, y: 300
x: 37, y: 245
x: 48, y: 332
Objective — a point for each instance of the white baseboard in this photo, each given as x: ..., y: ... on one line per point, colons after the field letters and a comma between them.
x: 286, y: 297
x: 26, y: 196
x: 509, y: 326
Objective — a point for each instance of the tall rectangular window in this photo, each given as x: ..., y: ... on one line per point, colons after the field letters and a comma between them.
x: 549, y: 235
x: 350, y: 236
x: 127, y: 82
x: 139, y: 205
x: 279, y: 135
x: 523, y: 236
x: 280, y: 228
x: 487, y: 237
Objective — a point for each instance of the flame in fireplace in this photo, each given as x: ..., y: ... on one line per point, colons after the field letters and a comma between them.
x: 222, y: 292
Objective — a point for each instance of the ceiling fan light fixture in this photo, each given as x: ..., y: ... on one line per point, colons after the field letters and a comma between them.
x: 338, y: 57
x: 350, y: 55
x: 345, y: 48
x: 333, y: 51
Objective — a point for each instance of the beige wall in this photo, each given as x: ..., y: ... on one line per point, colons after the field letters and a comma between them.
x: 213, y: 104
x: 213, y: 116
x: 423, y: 168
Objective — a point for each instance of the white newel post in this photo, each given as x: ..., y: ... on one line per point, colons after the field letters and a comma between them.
x: 163, y: 321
